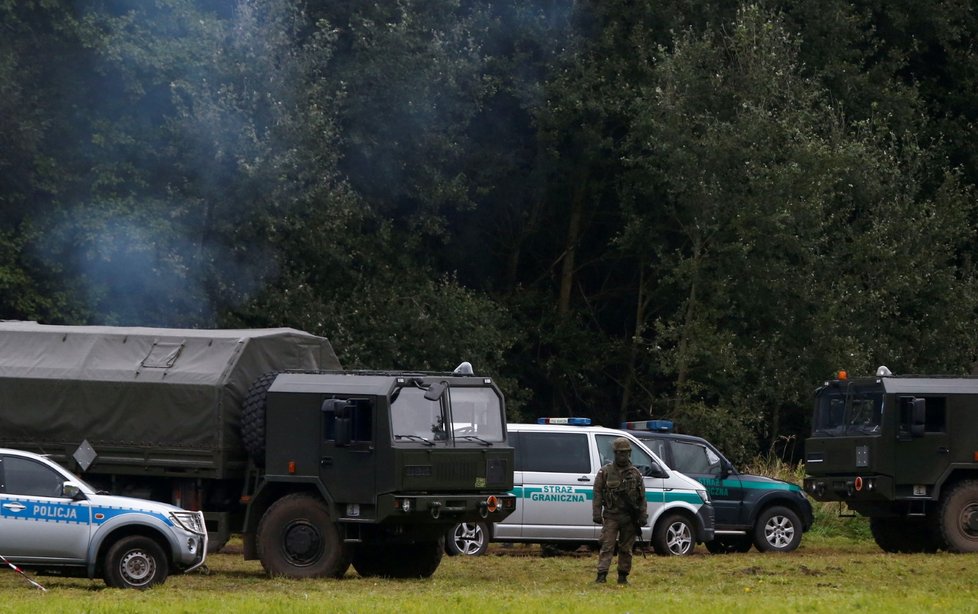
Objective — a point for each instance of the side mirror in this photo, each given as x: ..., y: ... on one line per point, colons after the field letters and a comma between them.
x: 653, y: 471
x: 435, y: 391
x: 72, y: 491
x: 725, y: 469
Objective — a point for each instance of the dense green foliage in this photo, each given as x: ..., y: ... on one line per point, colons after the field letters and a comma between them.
x: 621, y: 209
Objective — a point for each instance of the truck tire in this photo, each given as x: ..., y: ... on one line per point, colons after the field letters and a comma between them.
x: 674, y: 536
x: 298, y: 538
x: 958, y: 517
x: 778, y: 529
x: 135, y: 561
x: 467, y: 538
x: 419, y: 560
x: 253, y: 418
x: 903, y: 535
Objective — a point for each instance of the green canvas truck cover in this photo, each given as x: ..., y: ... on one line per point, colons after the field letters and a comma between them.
x: 131, y: 389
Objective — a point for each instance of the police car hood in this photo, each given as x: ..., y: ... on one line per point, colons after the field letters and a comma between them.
x: 133, y: 504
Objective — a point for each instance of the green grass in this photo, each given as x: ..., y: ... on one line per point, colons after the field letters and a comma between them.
x: 827, y: 574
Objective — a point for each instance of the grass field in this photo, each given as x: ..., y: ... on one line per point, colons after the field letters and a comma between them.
x: 827, y: 574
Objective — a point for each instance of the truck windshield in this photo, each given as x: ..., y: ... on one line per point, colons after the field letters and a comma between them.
x: 849, y: 410
x: 475, y: 416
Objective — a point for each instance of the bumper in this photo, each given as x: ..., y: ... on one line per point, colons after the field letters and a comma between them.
x: 850, y: 488
x: 444, y: 509
x: 191, y: 548
x: 705, y: 523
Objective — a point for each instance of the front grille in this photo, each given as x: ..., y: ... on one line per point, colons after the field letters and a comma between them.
x: 417, y: 471
x: 456, y: 471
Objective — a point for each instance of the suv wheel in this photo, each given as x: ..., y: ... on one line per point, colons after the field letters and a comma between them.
x: 468, y: 538
x: 673, y: 535
x: 778, y: 529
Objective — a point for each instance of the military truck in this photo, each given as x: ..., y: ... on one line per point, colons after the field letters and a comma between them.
x: 903, y: 451
x: 317, y: 468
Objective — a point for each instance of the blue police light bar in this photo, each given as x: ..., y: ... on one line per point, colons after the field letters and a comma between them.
x: 663, y: 426
x: 569, y: 421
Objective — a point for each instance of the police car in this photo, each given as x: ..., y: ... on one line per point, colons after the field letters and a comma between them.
x: 51, y: 521
x: 751, y: 510
x: 556, y: 462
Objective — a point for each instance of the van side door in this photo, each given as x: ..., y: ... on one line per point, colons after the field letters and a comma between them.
x: 558, y: 480
x: 655, y: 488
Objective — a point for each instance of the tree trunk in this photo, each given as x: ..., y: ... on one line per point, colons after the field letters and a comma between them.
x: 683, y: 359
x: 570, y: 247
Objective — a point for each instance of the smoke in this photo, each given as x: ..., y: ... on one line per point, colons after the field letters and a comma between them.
x: 133, y: 269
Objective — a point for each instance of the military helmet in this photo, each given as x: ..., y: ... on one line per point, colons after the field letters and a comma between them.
x: 621, y: 445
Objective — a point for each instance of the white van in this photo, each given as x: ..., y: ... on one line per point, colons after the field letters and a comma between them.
x: 555, y: 467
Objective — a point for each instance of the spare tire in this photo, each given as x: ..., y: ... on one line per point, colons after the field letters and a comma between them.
x: 253, y: 418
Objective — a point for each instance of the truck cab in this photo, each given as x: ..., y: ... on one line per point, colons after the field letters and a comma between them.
x: 903, y: 451
x: 387, y: 460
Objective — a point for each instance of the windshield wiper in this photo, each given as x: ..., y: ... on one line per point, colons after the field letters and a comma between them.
x: 474, y: 438
x: 414, y: 438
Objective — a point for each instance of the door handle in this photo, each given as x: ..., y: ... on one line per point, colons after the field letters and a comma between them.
x: 326, y: 461
x: 943, y: 450
x: 583, y: 478
x: 15, y: 507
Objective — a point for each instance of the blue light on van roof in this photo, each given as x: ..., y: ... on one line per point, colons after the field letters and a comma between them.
x: 662, y: 426
x: 570, y: 421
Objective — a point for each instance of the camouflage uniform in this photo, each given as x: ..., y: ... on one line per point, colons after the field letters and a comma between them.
x: 619, y: 500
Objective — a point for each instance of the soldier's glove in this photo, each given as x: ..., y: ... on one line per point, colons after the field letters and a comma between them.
x: 597, y: 519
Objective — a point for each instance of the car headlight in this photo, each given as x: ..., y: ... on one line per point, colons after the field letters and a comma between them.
x: 705, y: 496
x: 189, y: 521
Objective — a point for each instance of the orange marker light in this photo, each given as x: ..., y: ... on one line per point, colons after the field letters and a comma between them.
x: 492, y: 503
x: 843, y: 375
x: 291, y: 466
x: 858, y: 483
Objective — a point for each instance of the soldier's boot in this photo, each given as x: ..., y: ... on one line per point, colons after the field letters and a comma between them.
x: 602, y: 577
x: 622, y: 577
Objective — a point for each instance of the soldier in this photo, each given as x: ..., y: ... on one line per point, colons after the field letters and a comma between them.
x: 620, y: 491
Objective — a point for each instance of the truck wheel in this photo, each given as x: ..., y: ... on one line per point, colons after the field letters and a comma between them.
x: 368, y: 560
x: 469, y: 538
x: 298, y: 538
x: 959, y: 517
x: 673, y: 536
x: 903, y: 535
x: 135, y: 562
x: 777, y: 529
x: 887, y: 533
x: 253, y: 418
x: 418, y: 560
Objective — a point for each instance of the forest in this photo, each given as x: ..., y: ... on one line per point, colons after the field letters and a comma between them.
x: 623, y: 209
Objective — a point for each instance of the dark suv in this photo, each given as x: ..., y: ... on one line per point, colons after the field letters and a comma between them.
x: 751, y: 510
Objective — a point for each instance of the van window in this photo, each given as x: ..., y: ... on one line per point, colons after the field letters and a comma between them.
x: 659, y: 448
x: 553, y: 452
